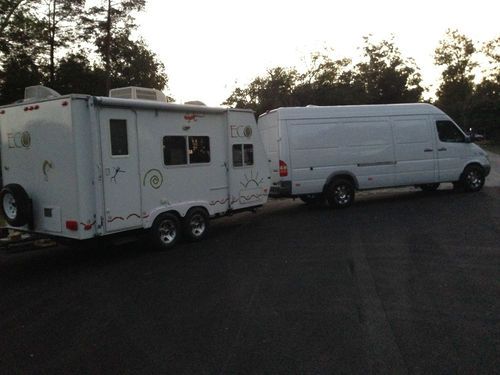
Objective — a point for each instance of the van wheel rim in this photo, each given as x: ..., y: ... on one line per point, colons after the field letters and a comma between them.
x: 168, y: 232
x: 474, y: 179
x: 197, y: 225
x: 342, y: 194
x: 9, y: 206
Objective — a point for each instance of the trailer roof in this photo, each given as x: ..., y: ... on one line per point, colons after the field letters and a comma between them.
x: 149, y: 104
x: 290, y: 113
x: 134, y: 103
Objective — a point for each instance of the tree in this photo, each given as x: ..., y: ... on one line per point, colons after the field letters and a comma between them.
x: 455, y: 53
x: 387, y: 76
x: 61, y: 16
x: 19, y: 72
x: 273, y: 90
x: 108, y: 22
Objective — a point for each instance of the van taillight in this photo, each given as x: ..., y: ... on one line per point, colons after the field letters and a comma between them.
x: 283, y: 169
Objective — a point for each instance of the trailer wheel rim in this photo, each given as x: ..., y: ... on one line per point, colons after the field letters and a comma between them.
x: 342, y: 194
x: 474, y: 179
x: 197, y: 225
x: 167, y: 231
x: 9, y: 206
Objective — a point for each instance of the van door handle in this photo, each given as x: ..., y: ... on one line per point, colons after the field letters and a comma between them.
x: 442, y: 149
x: 428, y: 150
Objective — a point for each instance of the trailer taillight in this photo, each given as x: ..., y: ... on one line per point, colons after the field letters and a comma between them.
x: 283, y: 169
x: 72, y: 225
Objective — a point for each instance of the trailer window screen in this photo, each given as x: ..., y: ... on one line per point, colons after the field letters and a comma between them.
x: 118, y: 135
x: 248, y: 154
x: 237, y: 156
x: 174, y: 150
x: 199, y: 150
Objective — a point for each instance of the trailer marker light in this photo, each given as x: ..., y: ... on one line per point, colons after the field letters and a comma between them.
x: 37, y: 106
x: 72, y: 225
x: 64, y: 104
x: 2, y: 112
x: 25, y: 109
x: 31, y: 108
x: 283, y: 169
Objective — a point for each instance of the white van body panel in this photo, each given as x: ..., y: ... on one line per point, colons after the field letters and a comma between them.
x: 377, y: 145
x: 76, y: 168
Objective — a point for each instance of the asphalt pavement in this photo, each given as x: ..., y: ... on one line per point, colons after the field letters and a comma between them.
x: 401, y: 282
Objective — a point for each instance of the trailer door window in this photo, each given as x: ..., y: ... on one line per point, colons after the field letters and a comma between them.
x: 199, y: 150
x: 174, y: 150
x: 118, y: 135
x: 248, y: 154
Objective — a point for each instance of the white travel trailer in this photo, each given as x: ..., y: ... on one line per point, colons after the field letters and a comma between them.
x: 79, y: 166
x: 329, y: 152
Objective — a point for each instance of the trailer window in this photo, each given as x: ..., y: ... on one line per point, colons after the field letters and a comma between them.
x: 174, y: 150
x: 448, y: 132
x: 199, y: 150
x: 242, y: 155
x: 118, y: 135
x: 248, y: 154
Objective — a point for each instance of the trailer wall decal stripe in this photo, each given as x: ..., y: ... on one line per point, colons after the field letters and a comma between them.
x: 154, y: 177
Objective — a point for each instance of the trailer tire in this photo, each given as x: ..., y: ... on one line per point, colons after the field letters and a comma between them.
x: 16, y: 205
x: 340, y: 193
x: 165, y: 232
x: 195, y: 224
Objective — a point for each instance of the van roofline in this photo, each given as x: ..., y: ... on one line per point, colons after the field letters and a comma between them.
x: 290, y: 113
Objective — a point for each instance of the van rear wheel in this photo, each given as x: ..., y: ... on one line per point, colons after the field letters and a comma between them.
x: 340, y: 193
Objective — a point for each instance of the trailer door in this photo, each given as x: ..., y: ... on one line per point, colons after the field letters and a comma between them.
x: 120, y: 163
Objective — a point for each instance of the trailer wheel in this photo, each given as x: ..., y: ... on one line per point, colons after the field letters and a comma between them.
x: 165, y: 231
x: 195, y: 224
x: 472, y: 178
x: 340, y: 193
x: 16, y: 205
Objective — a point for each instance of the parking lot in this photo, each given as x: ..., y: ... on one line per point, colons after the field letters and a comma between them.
x: 401, y: 282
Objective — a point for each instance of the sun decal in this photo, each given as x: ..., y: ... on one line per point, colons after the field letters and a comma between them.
x: 253, y: 181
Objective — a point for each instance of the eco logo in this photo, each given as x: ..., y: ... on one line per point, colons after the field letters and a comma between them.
x: 240, y: 131
x: 19, y: 140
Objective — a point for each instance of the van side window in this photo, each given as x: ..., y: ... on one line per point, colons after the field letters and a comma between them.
x: 242, y: 155
x: 448, y: 132
x: 118, y: 136
x: 174, y: 150
x: 199, y: 150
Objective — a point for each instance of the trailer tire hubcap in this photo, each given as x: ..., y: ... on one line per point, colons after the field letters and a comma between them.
x: 197, y: 225
x: 9, y: 206
x: 167, y: 231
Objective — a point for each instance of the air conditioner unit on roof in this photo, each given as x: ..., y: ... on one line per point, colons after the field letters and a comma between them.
x: 140, y: 93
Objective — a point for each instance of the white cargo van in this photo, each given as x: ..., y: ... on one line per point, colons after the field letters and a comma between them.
x: 79, y: 166
x: 329, y: 152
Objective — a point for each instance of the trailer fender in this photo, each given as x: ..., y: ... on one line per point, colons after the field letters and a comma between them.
x: 180, y: 210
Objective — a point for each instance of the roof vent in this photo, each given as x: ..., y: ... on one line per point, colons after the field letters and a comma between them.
x: 141, y: 93
x: 39, y: 92
x: 196, y: 102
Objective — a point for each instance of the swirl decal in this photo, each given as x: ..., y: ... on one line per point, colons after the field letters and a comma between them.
x: 154, y: 178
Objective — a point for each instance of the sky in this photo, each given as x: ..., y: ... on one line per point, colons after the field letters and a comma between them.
x: 211, y: 47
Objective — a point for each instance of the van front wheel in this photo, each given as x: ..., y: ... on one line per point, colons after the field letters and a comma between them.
x: 340, y: 193
x: 472, y: 178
